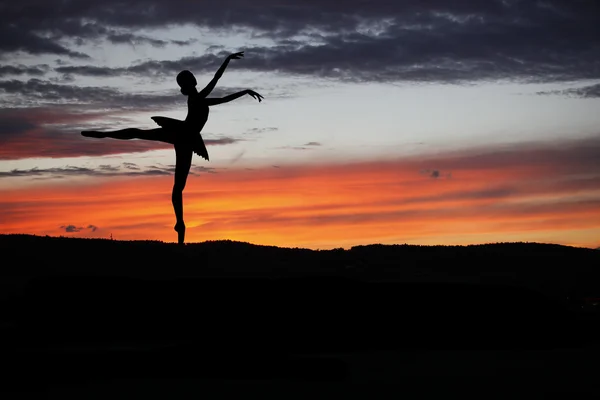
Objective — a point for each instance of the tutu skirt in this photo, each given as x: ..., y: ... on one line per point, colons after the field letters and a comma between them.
x: 183, y: 135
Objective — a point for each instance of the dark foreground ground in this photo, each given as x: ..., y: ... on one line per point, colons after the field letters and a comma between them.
x: 108, y: 319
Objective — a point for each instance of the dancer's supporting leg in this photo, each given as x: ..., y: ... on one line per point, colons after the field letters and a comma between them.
x: 183, y: 162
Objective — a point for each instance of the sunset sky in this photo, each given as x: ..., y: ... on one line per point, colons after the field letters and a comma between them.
x: 420, y: 122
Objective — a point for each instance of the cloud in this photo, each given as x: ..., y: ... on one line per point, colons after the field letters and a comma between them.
x: 261, y: 130
x: 307, y: 146
x: 38, y: 92
x: 14, y: 38
x: 591, y: 91
x: 435, y: 173
x: 20, y: 69
x: 56, y: 132
x: 71, y: 228
x: 220, y: 141
x: 202, y: 169
x: 390, y: 59
x: 61, y: 172
x: 237, y: 157
x: 131, y: 166
x: 43, y: 92
x: 78, y: 229
x: 433, y: 41
x: 106, y: 170
x: 135, y: 40
x: 160, y: 68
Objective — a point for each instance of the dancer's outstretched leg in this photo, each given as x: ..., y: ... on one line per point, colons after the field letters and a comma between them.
x: 158, y: 134
x: 183, y: 162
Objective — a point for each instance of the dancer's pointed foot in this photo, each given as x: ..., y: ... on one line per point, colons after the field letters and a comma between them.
x: 180, y: 229
x: 94, y: 134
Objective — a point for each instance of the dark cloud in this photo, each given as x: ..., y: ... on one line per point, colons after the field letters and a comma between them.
x: 170, y: 169
x: 44, y: 92
x: 131, y: 166
x: 202, y: 169
x: 591, y: 91
x: 13, y: 39
x: 133, y: 40
x: 12, y: 127
x: 435, y: 173
x: 164, y: 68
x: 108, y: 168
x: 187, y: 42
x: 435, y: 40
x: 54, y: 132
x: 221, y: 141
x: 37, y: 91
x: 71, y: 228
x: 64, y: 171
x: 20, y: 69
x: 136, y: 40
x: 55, y: 143
x: 124, y: 169
x: 313, y: 144
x: 76, y: 229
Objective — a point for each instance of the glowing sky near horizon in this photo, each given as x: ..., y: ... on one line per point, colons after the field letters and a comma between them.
x: 452, y: 124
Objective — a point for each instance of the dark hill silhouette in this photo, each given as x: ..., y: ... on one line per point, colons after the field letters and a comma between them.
x: 224, y: 309
x: 552, y: 269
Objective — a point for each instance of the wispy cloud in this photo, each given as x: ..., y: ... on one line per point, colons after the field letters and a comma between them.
x: 133, y: 40
x: 124, y: 169
x: 590, y: 91
x: 262, y: 130
x: 306, y: 146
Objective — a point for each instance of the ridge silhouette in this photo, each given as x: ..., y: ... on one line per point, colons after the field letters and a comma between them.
x: 183, y: 135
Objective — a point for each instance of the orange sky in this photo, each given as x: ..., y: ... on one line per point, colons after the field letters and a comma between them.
x: 530, y: 194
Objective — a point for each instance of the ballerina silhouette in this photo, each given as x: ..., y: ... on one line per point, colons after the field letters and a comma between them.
x: 183, y: 135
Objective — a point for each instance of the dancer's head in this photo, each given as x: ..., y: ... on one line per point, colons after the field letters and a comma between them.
x: 187, y: 82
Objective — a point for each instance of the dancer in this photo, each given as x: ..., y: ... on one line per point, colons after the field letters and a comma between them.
x: 183, y: 135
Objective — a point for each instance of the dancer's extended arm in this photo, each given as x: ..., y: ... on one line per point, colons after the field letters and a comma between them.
x: 226, y: 99
x: 211, y: 85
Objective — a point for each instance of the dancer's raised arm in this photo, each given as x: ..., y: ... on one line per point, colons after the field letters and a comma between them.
x: 211, y: 85
x: 226, y: 99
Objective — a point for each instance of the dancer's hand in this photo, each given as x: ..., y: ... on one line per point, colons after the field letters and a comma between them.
x: 255, y: 95
x: 235, y: 56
